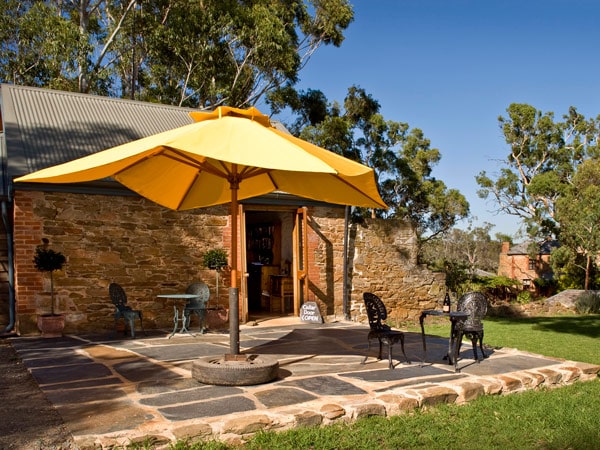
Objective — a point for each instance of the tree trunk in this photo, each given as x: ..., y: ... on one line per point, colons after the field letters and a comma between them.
x: 588, y: 263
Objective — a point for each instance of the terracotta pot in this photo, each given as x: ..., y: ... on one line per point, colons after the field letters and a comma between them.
x: 51, y: 325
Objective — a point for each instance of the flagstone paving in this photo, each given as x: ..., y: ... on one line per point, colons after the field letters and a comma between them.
x: 112, y: 390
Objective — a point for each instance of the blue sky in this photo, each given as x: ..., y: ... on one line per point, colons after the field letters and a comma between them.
x: 451, y: 67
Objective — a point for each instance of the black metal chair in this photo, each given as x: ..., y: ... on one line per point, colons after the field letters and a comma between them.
x: 474, y: 304
x: 122, y: 310
x: 196, y: 305
x: 377, y: 313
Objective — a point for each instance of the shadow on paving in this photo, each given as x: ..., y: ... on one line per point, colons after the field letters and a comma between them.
x: 106, y: 385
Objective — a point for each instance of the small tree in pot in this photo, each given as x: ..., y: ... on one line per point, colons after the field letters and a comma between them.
x: 215, y: 259
x: 48, y: 260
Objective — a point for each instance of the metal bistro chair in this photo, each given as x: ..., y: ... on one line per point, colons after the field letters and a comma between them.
x: 122, y: 311
x: 196, y: 305
x: 377, y: 313
x: 474, y: 304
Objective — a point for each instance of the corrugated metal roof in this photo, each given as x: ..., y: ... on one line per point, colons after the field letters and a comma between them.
x: 43, y: 127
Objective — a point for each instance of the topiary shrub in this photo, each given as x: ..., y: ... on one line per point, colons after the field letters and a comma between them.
x: 588, y: 302
x: 47, y: 260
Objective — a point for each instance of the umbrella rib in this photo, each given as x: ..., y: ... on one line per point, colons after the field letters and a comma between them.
x: 245, y: 172
x: 181, y: 156
x: 351, y: 186
x: 176, y: 155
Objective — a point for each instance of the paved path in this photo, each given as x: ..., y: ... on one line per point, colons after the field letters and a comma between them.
x: 113, y: 391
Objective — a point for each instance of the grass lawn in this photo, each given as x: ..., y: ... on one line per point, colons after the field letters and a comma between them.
x: 570, y: 337
x: 563, y: 418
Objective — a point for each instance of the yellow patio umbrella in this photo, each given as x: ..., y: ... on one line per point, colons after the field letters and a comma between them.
x: 227, y: 155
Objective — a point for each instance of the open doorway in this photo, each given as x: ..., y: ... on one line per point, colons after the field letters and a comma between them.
x: 269, y: 261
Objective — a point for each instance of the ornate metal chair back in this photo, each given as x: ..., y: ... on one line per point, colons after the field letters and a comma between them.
x: 118, y: 297
x: 376, y: 312
x: 474, y: 304
x: 203, y: 292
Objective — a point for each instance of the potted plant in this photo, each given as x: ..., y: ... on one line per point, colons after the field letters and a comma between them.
x: 215, y: 259
x: 48, y: 260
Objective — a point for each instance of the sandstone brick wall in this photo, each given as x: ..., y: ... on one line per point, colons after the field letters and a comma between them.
x: 129, y: 240
x: 325, y: 259
x: 151, y: 250
x: 385, y: 263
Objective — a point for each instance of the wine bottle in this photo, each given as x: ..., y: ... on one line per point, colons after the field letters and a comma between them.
x: 446, y: 304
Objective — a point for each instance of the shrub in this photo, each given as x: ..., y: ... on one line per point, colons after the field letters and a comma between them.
x: 588, y: 302
x: 215, y: 259
x: 524, y: 297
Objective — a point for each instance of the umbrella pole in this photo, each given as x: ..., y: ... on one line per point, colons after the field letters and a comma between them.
x: 234, y: 298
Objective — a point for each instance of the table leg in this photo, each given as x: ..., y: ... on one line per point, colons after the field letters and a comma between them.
x: 453, y: 346
x: 423, y: 338
x: 184, y: 322
x: 175, y: 321
x: 421, y: 319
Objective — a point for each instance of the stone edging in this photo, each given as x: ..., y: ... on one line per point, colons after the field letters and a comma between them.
x: 236, y: 428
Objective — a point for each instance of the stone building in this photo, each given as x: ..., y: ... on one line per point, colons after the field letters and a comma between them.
x: 110, y: 234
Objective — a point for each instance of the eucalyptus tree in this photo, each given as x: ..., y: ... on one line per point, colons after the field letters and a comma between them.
x: 472, y: 248
x: 578, y: 211
x: 461, y: 254
x: 37, y: 46
x: 198, y: 53
x: 402, y: 157
x: 544, y: 155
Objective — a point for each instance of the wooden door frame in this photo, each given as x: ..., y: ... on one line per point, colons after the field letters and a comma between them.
x: 297, y: 278
x: 300, y: 258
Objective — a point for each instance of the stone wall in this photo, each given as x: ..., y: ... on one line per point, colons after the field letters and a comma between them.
x: 129, y: 240
x: 151, y: 250
x: 326, y: 259
x: 385, y: 264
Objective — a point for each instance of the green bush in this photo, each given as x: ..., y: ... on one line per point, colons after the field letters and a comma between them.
x: 588, y: 302
x: 215, y: 259
x: 524, y: 297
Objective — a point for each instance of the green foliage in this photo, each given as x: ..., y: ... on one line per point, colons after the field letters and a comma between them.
x: 524, y: 297
x: 215, y: 259
x: 569, y: 268
x: 496, y: 287
x: 457, y: 276
x: 401, y: 157
x: 36, y: 44
x: 470, y: 249
x: 543, y: 157
x: 578, y: 210
x: 545, y: 287
x: 462, y: 254
x: 197, y: 54
x: 588, y: 303
x: 48, y: 260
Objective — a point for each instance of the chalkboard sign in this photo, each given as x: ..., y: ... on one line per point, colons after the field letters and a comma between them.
x: 309, y: 312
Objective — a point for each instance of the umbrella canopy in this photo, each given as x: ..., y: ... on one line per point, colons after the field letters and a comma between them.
x: 194, y: 165
x: 227, y: 155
